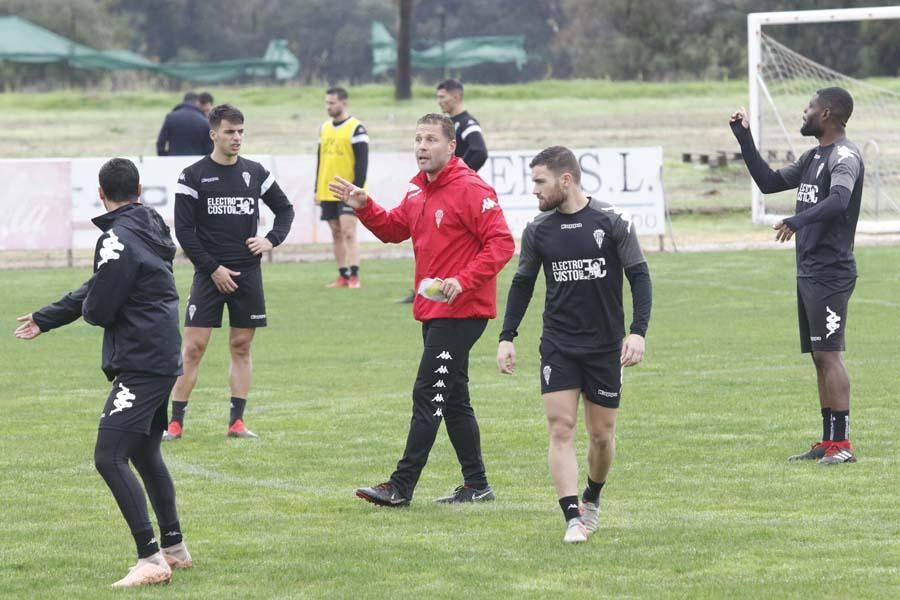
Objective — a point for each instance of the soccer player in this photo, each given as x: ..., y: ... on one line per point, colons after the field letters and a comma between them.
x: 470, y: 144
x: 343, y: 151
x: 584, y: 246
x: 461, y: 241
x: 829, y: 179
x: 217, y: 205
x: 132, y: 295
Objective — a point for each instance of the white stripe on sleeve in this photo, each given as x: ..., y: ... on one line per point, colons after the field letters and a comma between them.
x: 188, y: 191
x: 468, y: 130
x: 362, y: 137
x: 266, y: 184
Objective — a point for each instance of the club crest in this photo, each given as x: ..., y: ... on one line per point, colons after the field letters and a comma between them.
x: 191, y: 310
x: 246, y: 177
x: 598, y: 237
x: 546, y: 372
x: 438, y: 217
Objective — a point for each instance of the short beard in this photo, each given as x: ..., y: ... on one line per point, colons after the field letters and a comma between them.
x: 810, y: 130
x: 552, y: 202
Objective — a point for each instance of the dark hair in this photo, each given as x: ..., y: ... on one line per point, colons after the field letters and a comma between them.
x: 205, y: 98
x: 838, y: 100
x: 120, y: 180
x: 451, y: 85
x: 340, y: 92
x: 225, y: 112
x: 446, y: 124
x: 190, y: 98
x: 558, y: 160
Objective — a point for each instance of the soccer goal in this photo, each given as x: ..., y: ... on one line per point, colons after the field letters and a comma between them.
x: 781, y: 82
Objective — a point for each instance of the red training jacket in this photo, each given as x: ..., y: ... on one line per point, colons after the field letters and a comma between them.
x: 458, y: 230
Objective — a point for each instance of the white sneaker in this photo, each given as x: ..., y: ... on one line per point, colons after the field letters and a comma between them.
x: 576, y: 532
x: 178, y: 556
x: 148, y: 571
x: 590, y: 516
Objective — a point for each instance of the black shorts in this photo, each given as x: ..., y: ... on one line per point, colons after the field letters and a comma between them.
x: 246, y: 306
x: 138, y: 402
x: 822, y: 312
x: 332, y: 210
x: 597, y: 374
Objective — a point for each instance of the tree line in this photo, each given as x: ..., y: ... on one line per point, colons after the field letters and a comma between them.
x: 654, y: 40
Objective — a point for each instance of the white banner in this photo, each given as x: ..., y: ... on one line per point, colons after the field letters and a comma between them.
x: 34, y: 202
x: 629, y: 178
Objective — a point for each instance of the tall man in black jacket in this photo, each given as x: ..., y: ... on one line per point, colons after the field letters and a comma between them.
x: 185, y: 131
x: 132, y: 295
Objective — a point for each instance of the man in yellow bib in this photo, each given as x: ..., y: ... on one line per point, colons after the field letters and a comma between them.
x: 343, y: 152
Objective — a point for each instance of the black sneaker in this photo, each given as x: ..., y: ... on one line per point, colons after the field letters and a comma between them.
x: 816, y: 451
x: 466, y: 493
x: 383, y: 494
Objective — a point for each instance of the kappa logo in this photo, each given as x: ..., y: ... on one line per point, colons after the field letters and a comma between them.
x: 443, y: 370
x: 152, y: 541
x: 192, y: 310
x: 598, y: 237
x: 547, y: 370
x: 832, y: 322
x: 487, y: 204
x: 182, y: 177
x: 444, y: 356
x: 123, y: 400
x: 413, y: 190
x: 438, y: 217
x: 439, y: 412
x: 844, y: 152
x: 111, y: 249
x: 172, y: 533
x: 571, y: 506
x: 438, y: 398
x: 440, y: 384
x: 209, y: 179
x: 246, y: 177
x: 605, y: 394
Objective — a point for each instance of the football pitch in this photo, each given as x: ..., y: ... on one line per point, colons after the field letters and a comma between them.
x: 701, y: 502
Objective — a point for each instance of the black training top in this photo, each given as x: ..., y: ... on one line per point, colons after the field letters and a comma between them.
x: 583, y: 255
x: 217, y: 209
x: 470, y: 144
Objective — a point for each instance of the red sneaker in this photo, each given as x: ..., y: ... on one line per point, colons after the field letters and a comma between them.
x: 239, y: 430
x: 838, y: 452
x: 340, y: 282
x: 354, y: 282
x: 173, y: 432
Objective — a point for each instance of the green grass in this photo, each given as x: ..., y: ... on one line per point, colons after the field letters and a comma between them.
x: 700, y: 504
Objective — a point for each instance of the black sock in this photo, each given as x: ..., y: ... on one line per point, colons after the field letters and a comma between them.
x: 178, y: 410
x: 840, y: 425
x: 569, y: 506
x: 354, y: 270
x: 592, y: 491
x: 237, y: 409
x: 345, y: 272
x: 826, y: 424
x: 146, y: 543
x: 170, y: 534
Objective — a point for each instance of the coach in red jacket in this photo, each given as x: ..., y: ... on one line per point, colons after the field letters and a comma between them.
x: 461, y: 241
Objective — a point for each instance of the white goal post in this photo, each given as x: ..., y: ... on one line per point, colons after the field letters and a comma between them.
x: 781, y: 80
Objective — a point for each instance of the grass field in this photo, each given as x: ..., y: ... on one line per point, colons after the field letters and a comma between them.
x: 700, y: 504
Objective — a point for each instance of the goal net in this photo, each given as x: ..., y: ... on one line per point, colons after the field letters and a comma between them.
x: 784, y: 82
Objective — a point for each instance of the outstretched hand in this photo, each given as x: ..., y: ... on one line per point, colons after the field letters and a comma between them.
x: 783, y: 233
x: 351, y: 195
x: 28, y: 330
